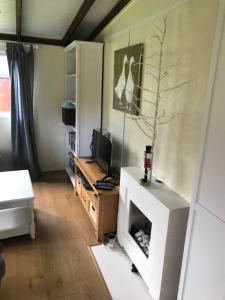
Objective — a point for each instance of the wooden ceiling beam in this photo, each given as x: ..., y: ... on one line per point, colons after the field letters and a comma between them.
x: 18, y: 19
x: 39, y: 40
x: 73, y: 26
x: 77, y: 20
x: 30, y: 39
x: 111, y: 15
x: 8, y: 37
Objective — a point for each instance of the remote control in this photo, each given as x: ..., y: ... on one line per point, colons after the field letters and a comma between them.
x: 107, y: 181
x: 103, y: 183
x: 103, y: 187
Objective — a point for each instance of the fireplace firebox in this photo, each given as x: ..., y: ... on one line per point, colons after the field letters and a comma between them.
x: 140, y: 228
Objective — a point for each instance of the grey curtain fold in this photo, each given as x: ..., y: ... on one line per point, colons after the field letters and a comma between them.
x: 21, y: 69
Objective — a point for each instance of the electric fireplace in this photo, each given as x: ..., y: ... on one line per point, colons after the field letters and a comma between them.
x: 151, y: 228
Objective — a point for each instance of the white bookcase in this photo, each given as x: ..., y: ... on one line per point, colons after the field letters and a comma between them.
x: 83, y: 86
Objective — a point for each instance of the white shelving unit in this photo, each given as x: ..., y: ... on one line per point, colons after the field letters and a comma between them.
x: 83, y: 86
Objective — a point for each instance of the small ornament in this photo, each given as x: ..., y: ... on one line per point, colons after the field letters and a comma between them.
x: 147, y: 166
x: 139, y: 233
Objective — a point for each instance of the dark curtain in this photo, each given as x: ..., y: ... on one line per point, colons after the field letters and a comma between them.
x: 21, y: 69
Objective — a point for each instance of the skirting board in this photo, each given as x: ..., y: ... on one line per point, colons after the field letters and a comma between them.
x: 115, y: 268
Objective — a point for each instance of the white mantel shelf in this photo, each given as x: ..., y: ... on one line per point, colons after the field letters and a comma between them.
x: 168, y: 214
x: 166, y: 196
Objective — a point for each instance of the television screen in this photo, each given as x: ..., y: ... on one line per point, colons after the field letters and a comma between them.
x: 101, y: 151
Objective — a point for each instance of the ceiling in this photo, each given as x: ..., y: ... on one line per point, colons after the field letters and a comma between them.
x: 56, y: 22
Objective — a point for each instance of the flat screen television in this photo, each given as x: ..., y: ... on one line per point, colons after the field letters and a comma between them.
x: 101, y: 148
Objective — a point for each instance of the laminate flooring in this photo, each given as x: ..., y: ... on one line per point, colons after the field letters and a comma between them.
x: 56, y: 265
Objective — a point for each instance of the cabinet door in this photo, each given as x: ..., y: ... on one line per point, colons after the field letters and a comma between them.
x: 212, y: 184
x: 205, y: 273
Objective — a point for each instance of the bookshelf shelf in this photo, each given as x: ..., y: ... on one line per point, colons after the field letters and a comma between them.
x: 71, y: 150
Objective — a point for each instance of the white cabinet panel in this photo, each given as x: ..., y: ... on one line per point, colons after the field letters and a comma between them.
x: 205, y: 277
x: 203, y: 270
x: 212, y: 184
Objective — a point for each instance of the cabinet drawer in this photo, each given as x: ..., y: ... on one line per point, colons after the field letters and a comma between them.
x: 93, y: 213
x: 79, y: 186
x: 84, y: 201
x: 85, y: 198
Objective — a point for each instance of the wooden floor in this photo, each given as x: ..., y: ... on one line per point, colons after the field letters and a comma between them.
x: 57, y: 264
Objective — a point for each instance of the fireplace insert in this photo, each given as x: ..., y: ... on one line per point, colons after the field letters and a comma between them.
x: 140, y: 228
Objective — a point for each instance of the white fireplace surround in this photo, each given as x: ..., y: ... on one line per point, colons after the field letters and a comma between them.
x: 168, y: 213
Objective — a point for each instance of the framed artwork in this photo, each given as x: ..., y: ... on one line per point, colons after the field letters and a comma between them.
x: 127, y: 79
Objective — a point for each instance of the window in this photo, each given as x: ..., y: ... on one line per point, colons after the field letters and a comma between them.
x: 5, y: 95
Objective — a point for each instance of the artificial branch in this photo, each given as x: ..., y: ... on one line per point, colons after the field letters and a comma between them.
x: 175, y: 87
x: 148, y: 124
x: 150, y: 56
x: 138, y: 118
x: 158, y: 89
x: 145, y: 64
x: 152, y: 75
x: 145, y: 89
x: 170, y: 119
x: 159, y: 29
x: 143, y: 100
x: 139, y: 126
x: 140, y: 112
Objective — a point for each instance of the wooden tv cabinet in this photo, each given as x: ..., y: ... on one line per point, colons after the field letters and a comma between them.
x: 100, y: 205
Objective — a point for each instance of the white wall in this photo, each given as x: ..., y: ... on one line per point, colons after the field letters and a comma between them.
x: 48, y: 96
x: 188, y: 45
